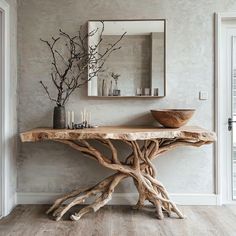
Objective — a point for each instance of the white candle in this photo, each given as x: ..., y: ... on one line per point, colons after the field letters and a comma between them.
x: 72, y: 117
x: 82, y: 117
x: 90, y: 117
x: 68, y: 119
x: 87, y: 116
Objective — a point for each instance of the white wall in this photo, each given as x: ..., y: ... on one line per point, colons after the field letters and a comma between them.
x: 52, y: 168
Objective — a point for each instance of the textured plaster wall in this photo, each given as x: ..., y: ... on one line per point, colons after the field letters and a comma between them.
x: 50, y: 167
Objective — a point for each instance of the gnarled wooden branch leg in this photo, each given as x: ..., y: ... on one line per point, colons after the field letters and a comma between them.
x: 138, y: 166
x: 60, y: 201
x: 148, y: 187
x: 102, y: 200
x: 59, y: 208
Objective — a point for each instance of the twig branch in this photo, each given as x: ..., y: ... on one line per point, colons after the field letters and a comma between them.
x: 46, y: 90
x: 76, y: 61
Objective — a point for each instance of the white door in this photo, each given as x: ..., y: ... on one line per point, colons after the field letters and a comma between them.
x: 6, y: 199
x: 1, y: 113
x: 229, y: 100
x: 232, y: 118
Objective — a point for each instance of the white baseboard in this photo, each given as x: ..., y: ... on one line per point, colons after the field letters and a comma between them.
x: 194, y: 198
x: 121, y: 198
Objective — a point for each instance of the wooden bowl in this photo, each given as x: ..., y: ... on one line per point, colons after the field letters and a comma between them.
x: 173, y: 118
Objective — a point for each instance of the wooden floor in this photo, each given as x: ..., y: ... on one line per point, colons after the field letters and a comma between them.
x: 30, y: 220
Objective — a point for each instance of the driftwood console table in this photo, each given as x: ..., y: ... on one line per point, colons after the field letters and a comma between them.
x: 145, y: 144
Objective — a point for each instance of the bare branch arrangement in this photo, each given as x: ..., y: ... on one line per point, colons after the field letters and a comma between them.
x: 70, y: 66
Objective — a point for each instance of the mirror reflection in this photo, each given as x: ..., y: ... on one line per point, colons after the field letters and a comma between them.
x: 137, y: 65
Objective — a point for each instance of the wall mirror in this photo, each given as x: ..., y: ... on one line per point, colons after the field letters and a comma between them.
x: 138, y: 68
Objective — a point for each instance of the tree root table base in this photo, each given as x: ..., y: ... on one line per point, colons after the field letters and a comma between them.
x: 145, y: 145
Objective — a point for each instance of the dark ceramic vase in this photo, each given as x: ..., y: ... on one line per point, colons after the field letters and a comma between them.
x: 59, y: 117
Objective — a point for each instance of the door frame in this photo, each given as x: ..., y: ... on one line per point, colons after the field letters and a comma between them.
x: 5, y: 108
x: 223, y: 165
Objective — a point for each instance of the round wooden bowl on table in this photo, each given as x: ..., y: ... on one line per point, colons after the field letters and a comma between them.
x: 173, y: 118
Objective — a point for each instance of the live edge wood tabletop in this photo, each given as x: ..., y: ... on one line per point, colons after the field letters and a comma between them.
x: 146, y: 143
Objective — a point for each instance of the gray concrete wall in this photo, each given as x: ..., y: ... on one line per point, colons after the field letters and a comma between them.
x: 50, y: 167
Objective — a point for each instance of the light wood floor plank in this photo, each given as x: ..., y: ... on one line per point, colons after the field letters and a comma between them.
x: 31, y: 220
